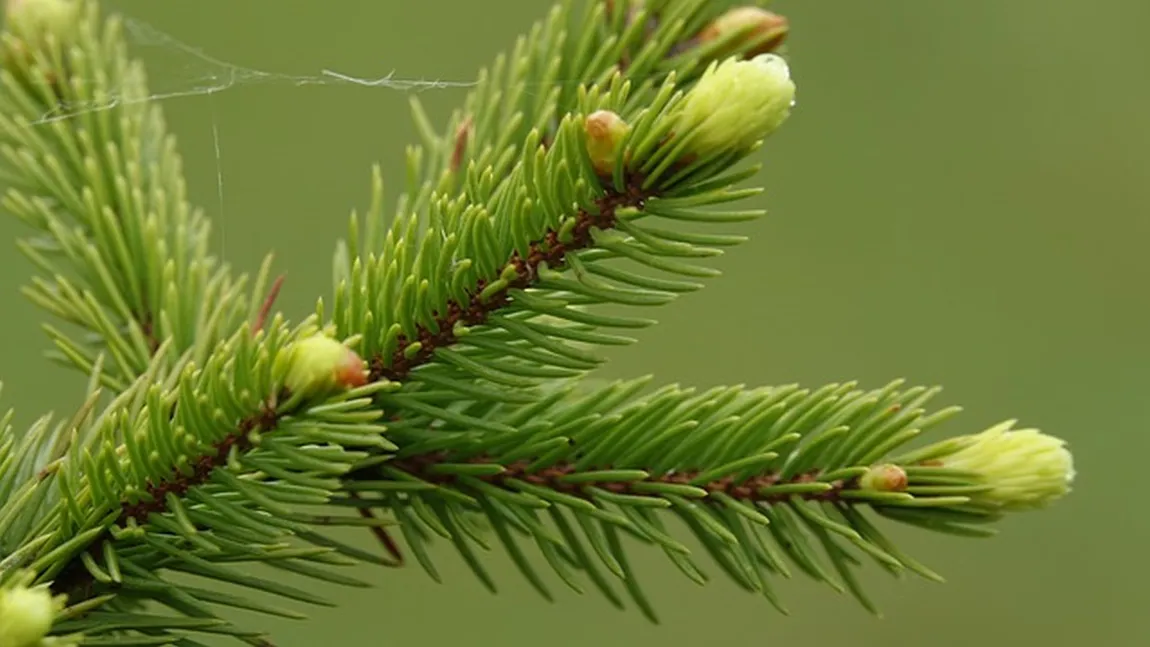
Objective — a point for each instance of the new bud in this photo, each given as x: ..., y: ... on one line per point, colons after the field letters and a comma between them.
x: 736, y: 103
x: 1026, y: 468
x: 605, y: 133
x: 884, y: 478
x: 758, y: 28
x: 25, y: 615
x: 319, y: 365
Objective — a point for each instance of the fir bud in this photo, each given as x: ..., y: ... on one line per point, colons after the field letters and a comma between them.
x: 25, y: 615
x: 736, y: 103
x: 320, y: 365
x: 884, y: 478
x: 605, y: 133
x: 1024, y: 467
x: 763, y: 30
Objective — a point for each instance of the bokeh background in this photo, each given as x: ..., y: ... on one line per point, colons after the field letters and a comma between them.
x: 961, y: 198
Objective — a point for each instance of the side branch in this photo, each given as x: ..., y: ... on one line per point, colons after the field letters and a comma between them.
x: 155, y: 499
x: 548, y: 249
x: 75, y: 580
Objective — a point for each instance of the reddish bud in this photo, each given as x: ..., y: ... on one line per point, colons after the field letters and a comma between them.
x: 319, y: 365
x: 884, y: 478
x: 763, y: 30
x: 605, y: 133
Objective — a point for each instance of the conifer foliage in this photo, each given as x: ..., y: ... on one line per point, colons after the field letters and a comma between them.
x: 443, y: 395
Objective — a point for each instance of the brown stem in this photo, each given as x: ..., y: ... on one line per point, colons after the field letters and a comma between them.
x: 752, y: 489
x: 460, y: 149
x: 381, y: 534
x: 149, y: 333
x: 266, y: 308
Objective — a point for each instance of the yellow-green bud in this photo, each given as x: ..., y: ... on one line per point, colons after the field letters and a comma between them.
x: 762, y: 29
x: 32, y: 21
x: 319, y: 365
x: 884, y: 478
x: 25, y: 616
x: 1026, y: 468
x: 736, y: 103
x: 605, y: 132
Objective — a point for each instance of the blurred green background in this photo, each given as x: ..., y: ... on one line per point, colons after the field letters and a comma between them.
x: 961, y: 198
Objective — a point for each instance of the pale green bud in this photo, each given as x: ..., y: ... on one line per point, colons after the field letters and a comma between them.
x: 32, y: 21
x: 25, y: 616
x: 736, y: 103
x: 1026, y: 468
x: 605, y: 131
x: 318, y: 365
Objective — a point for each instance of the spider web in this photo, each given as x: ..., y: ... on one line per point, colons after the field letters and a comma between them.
x: 185, y: 71
x: 196, y: 73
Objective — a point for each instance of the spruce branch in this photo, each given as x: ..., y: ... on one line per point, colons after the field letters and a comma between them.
x: 479, y: 311
x: 759, y: 476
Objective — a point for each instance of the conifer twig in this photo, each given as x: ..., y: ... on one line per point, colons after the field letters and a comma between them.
x: 481, y: 302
